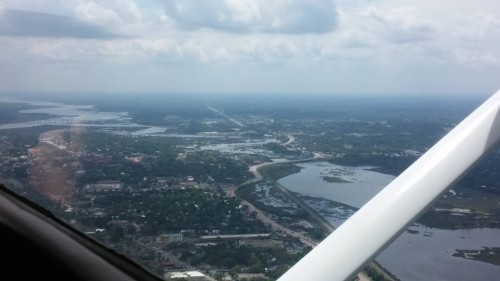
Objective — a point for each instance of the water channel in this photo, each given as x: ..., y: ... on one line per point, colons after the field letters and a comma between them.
x: 423, y: 254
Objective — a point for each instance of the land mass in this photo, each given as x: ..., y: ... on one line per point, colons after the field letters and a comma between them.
x: 335, y: 179
x: 488, y: 255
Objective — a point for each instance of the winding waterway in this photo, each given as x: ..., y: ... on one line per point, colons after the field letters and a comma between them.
x: 88, y: 116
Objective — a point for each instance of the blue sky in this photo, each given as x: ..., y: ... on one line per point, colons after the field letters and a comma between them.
x: 251, y: 46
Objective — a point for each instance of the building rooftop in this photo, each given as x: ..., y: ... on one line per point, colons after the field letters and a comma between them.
x: 183, y: 274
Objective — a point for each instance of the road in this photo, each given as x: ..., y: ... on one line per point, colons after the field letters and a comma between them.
x: 362, y: 276
x: 277, y: 226
x: 291, y: 139
x: 260, y: 214
x: 319, y: 219
x: 215, y: 110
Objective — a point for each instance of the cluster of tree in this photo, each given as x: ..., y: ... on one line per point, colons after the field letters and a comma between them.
x: 10, y: 113
x: 152, y: 109
x: 280, y: 170
x: 374, y: 274
x: 249, y: 193
x: 485, y: 175
x: 271, y: 261
x: 158, y: 159
x: 176, y: 210
x: 280, y: 149
x: 381, y: 163
x: 448, y: 220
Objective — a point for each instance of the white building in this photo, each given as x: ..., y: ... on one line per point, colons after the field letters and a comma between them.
x: 104, y: 186
x: 170, y: 238
x: 187, y: 275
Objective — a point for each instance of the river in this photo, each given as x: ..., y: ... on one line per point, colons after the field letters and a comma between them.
x: 85, y: 115
x: 424, y: 254
x: 89, y: 116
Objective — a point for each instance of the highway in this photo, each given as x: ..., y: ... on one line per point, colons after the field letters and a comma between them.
x: 362, y: 276
x: 291, y: 139
x: 215, y: 110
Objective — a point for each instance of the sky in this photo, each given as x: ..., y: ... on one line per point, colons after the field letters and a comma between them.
x: 344, y: 47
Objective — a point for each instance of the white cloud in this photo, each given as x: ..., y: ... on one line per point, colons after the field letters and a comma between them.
x: 279, y: 16
x: 119, y: 16
x: 93, y: 13
x: 16, y: 23
x: 400, y: 24
x: 280, y: 45
x: 108, y: 12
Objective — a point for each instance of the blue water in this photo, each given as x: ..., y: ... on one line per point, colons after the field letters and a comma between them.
x: 426, y: 255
